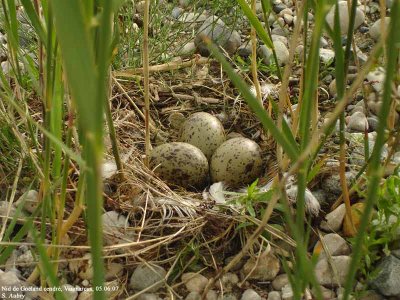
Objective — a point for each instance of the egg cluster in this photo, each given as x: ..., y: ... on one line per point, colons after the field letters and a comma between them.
x: 203, y: 153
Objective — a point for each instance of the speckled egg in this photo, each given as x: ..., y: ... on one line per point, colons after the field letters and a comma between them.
x: 203, y: 131
x: 236, y: 162
x: 180, y: 163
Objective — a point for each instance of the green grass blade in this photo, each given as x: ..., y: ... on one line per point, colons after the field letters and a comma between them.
x: 255, y: 23
x: 254, y: 104
x: 35, y: 21
x: 375, y: 169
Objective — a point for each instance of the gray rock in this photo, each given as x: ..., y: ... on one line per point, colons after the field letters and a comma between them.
x: 331, y: 184
x: 245, y: 49
x: 148, y: 296
x: 190, y: 17
x: 278, y: 30
x: 211, y: 295
x: 114, y: 225
x: 280, y: 38
x: 227, y: 296
x: 194, y: 282
x: 69, y: 292
x: 188, y: 49
x: 83, y: 268
x: 326, y: 55
x: 288, y: 19
x: 227, y: 282
x: 358, y: 122
x: 287, y: 292
x: 376, y: 29
x: 176, y: 12
x: 8, y: 69
x: 387, y: 281
x: 279, y: 7
x: 139, y: 6
x: 327, y: 294
x: 396, y: 253
x: 371, y: 295
x: 146, y: 275
x: 373, y: 123
x: 344, y: 17
x: 325, y: 274
x: 265, y: 268
x: 193, y: 296
x: 216, y: 30
x: 286, y: 11
x: 250, y: 294
x: 274, y: 295
x: 184, y: 3
x: 30, y: 199
x: 3, y: 39
x: 334, y: 219
x: 323, y: 42
x: 5, y: 210
x: 280, y: 281
x: 282, y: 53
x: 335, y: 244
x: 376, y: 79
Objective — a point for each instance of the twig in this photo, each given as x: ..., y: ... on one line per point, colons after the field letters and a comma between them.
x: 146, y: 75
x: 170, y: 66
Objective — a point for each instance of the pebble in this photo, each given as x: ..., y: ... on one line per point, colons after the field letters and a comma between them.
x: 227, y: 296
x: 376, y: 79
x: 280, y: 281
x: 188, y: 49
x: 287, y: 292
x: 113, y: 270
x: 387, y: 281
x: 265, y: 268
x: 211, y: 295
x: 280, y: 38
x: 145, y: 276
x: 193, y: 296
x: 334, y: 243
x: 108, y: 169
x: 274, y: 295
x: 4, y: 210
x: 371, y: 295
x: 69, y: 292
x: 227, y: 282
x: 82, y: 267
x: 376, y: 30
x: 176, y: 12
x: 358, y: 122
x: 373, y: 122
x: 344, y: 17
x: 245, y: 49
x: 326, y: 55
x: 282, y: 53
x: 113, y: 227
x: 334, y: 220
x: 8, y: 69
x: 325, y: 275
x: 215, y: 29
x: 279, y: 7
x: 250, y: 294
x: 148, y: 296
x: 194, y: 282
x: 288, y: 19
x: 327, y: 294
x: 30, y: 199
x: 331, y: 184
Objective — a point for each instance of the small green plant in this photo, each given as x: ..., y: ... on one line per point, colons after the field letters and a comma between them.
x: 384, y: 230
x: 250, y: 201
